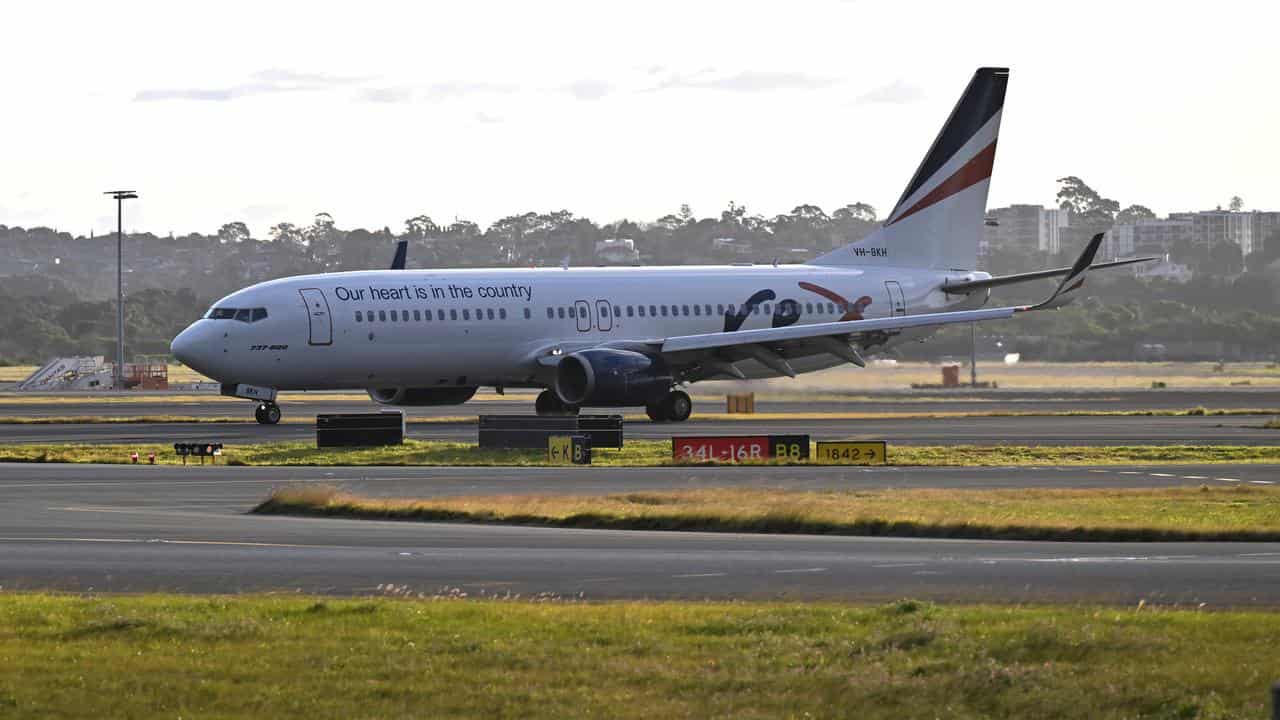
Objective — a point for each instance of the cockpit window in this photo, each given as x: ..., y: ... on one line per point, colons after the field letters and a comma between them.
x: 245, y: 315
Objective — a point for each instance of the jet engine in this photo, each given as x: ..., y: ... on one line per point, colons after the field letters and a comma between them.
x: 412, y: 397
x: 607, y: 377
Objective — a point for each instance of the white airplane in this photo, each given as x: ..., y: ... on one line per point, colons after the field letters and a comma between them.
x: 630, y: 337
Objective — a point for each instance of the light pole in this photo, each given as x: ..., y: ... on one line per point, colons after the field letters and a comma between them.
x: 973, y: 354
x: 120, y: 196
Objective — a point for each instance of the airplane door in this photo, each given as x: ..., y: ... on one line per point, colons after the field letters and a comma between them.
x: 584, y: 315
x: 318, y: 315
x: 604, y: 315
x: 897, y: 302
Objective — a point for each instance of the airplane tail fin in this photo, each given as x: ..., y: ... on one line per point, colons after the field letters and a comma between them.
x: 938, y: 221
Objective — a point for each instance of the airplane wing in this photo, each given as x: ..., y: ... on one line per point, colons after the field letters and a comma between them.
x: 710, y: 354
x: 707, y: 355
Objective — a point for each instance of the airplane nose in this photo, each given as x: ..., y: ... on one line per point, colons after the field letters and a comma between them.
x: 194, y: 349
x: 182, y: 346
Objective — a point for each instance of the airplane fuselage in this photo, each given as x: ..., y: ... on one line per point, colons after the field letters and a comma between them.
x: 459, y: 328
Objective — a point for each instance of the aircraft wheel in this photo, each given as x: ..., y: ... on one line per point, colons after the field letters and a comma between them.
x: 676, y: 406
x: 548, y: 403
x: 267, y: 413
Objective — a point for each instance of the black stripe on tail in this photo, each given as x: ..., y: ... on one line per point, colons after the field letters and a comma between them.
x: 982, y: 99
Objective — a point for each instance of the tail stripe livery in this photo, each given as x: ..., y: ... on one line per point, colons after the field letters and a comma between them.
x: 938, y: 222
x: 972, y: 172
x: 982, y: 99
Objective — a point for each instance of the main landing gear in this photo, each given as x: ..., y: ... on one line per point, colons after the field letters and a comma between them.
x: 675, y: 406
x: 267, y: 413
x: 549, y: 403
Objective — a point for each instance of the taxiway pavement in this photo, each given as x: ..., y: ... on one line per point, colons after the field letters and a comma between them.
x: 131, y: 529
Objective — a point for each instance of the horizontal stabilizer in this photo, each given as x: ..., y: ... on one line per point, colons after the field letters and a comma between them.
x: 968, y: 286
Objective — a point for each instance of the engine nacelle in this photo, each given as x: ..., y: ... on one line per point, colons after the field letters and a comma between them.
x: 417, y: 397
x: 617, y: 378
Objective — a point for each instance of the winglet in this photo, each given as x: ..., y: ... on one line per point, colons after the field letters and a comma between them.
x: 402, y: 252
x: 1073, y: 279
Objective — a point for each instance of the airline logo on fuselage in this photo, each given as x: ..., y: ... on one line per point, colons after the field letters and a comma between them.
x: 787, y: 311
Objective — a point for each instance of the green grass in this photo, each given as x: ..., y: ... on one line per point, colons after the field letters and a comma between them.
x: 1227, y: 513
x: 637, y: 453
x: 278, y: 657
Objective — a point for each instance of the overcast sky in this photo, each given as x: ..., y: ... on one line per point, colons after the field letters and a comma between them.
x: 375, y: 112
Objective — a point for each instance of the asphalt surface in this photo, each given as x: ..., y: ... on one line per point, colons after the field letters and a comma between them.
x: 33, y: 405
x: 1018, y: 430
x: 127, y: 529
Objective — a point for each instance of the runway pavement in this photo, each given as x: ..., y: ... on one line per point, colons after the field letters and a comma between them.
x: 127, y: 529
x: 1020, y: 430
x: 33, y: 405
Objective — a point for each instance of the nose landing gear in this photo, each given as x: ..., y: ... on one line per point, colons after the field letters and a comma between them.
x: 267, y: 413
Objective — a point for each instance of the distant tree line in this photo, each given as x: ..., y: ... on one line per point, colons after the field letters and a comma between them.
x: 60, y: 290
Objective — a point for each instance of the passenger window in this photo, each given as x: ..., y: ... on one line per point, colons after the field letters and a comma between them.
x: 719, y: 309
x: 551, y: 313
x: 382, y: 316
x: 527, y: 315
x: 831, y: 308
x: 675, y: 311
x: 404, y: 316
x: 641, y: 310
x: 631, y: 311
x: 560, y: 312
x: 573, y: 312
x: 358, y: 317
x: 426, y: 315
x: 617, y: 311
x: 453, y: 314
x: 708, y: 307
x: 440, y: 315
x: 808, y: 307
x: 604, y: 311
x: 697, y: 309
x: 466, y: 314
x: 664, y: 310
x: 684, y: 310
x: 767, y: 309
x: 259, y: 314
x: 417, y: 316
x: 489, y: 313
x: 393, y: 316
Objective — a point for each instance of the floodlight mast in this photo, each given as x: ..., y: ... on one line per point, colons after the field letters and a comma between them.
x: 120, y: 196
